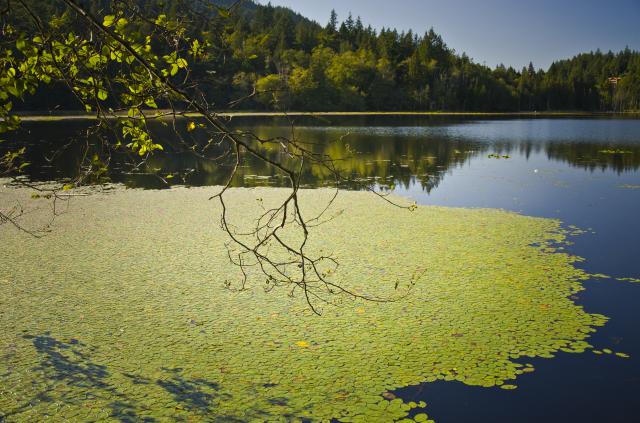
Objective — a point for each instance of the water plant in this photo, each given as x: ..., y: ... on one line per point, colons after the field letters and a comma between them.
x: 126, y: 316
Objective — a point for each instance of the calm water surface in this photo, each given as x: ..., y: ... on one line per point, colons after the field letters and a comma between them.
x: 585, y: 172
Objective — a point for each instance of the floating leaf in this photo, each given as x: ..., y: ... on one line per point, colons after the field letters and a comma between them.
x: 488, y: 273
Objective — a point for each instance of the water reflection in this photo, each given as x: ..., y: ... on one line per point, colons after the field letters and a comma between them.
x: 398, y: 152
x: 574, y: 170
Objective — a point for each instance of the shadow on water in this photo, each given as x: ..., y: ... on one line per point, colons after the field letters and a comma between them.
x: 70, y: 364
x: 196, y: 394
x: 73, y: 378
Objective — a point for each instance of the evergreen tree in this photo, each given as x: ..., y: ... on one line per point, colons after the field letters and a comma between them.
x: 381, y: 69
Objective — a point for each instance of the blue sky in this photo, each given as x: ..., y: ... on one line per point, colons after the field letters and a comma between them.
x: 512, y: 32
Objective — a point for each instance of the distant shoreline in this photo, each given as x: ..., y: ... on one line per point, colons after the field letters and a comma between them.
x: 57, y: 116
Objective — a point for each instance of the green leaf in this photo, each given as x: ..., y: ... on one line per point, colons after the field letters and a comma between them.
x: 13, y: 90
x: 151, y: 103
x: 94, y: 61
x: 108, y: 20
x: 122, y: 22
x: 182, y: 63
x: 174, y: 70
x: 161, y: 20
x: 102, y: 94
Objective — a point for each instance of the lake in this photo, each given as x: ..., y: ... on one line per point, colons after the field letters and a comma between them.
x: 584, y: 172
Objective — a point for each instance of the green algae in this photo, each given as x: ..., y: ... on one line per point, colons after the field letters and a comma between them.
x: 120, y: 312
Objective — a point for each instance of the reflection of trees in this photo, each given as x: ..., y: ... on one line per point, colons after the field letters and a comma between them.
x: 619, y: 158
x: 386, y: 158
x: 597, y: 156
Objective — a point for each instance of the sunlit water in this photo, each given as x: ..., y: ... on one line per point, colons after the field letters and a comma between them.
x: 584, y: 172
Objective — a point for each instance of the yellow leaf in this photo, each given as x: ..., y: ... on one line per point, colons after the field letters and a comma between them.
x: 191, y: 126
x: 303, y: 344
x: 360, y: 310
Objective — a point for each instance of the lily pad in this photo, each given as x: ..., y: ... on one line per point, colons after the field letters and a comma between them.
x: 479, y: 290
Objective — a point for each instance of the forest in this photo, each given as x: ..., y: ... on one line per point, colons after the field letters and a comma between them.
x: 276, y: 59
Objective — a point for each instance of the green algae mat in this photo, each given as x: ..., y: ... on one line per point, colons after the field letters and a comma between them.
x: 120, y: 313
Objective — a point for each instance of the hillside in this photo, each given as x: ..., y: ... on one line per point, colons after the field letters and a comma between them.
x: 346, y: 65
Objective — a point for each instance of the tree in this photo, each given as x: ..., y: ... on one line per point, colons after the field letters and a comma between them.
x: 126, y: 65
x: 332, y: 25
x: 351, y: 74
x: 272, y: 91
x: 421, y: 71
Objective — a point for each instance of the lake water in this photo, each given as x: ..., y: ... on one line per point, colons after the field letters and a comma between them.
x: 585, y: 172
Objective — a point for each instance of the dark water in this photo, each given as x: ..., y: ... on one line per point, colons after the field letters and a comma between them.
x: 585, y: 172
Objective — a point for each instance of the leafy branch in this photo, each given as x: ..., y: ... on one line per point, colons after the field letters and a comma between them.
x: 123, y: 74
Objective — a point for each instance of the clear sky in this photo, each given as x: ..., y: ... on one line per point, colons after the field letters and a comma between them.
x: 512, y: 32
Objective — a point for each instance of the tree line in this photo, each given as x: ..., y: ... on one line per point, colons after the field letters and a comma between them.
x: 275, y: 59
